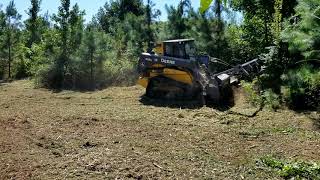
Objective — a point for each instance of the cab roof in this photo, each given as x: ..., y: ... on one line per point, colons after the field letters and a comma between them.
x: 178, y: 40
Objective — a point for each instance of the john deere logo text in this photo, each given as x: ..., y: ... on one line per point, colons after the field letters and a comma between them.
x: 167, y: 61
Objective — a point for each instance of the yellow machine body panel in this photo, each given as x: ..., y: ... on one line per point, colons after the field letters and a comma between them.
x: 177, y: 75
x: 159, y: 49
x: 158, y: 66
x: 143, y: 81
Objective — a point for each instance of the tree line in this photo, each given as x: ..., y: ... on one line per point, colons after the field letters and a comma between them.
x: 62, y: 51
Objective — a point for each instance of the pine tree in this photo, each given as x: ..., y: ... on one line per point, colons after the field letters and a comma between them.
x: 76, y: 27
x: 33, y: 24
x: 209, y: 31
x: 2, y: 52
x: 302, y: 30
x: 149, y: 21
x: 62, y: 25
x: 116, y: 11
x: 177, y: 19
x: 218, y: 31
x: 92, y: 54
x: 69, y: 23
x: 88, y: 53
x: 150, y: 14
x: 11, y: 33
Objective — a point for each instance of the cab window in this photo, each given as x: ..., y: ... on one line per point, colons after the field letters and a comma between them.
x: 175, y: 50
x: 190, y: 50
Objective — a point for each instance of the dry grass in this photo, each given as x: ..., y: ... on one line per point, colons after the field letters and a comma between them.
x: 111, y: 134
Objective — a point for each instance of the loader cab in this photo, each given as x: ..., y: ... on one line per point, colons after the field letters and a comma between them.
x: 179, y: 48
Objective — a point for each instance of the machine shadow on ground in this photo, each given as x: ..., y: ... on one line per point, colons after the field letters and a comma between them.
x: 185, y: 104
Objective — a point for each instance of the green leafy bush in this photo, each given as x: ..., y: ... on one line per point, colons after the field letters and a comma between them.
x: 271, y: 99
x: 20, y: 64
x: 47, y: 76
x: 252, y: 89
x: 259, y: 97
x: 120, y: 73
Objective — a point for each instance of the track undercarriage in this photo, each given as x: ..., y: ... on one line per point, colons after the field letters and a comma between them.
x: 163, y: 87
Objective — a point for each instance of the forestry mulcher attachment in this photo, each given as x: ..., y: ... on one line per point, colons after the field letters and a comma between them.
x: 174, y: 70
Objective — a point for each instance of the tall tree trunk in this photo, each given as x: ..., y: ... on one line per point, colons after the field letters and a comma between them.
x: 277, y: 21
x: 219, y: 31
x: 218, y: 9
x: 9, y: 55
x: 2, y: 65
x: 266, y: 38
x: 91, y: 71
x: 9, y: 61
x: 149, y: 25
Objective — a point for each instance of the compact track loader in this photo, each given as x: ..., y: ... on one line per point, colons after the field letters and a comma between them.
x: 174, y: 70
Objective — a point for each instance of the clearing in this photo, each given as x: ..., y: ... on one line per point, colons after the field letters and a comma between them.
x: 116, y: 134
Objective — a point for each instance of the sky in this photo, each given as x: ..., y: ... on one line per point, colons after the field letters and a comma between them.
x: 90, y: 6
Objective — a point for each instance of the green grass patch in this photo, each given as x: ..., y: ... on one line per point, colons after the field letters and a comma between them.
x: 293, y: 170
x: 259, y: 132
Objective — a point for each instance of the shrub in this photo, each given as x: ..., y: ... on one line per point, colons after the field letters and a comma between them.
x: 112, y: 73
x: 120, y: 72
x: 259, y: 97
x: 19, y: 65
x: 302, y: 87
x: 252, y: 90
x: 20, y: 69
x: 271, y: 99
x: 48, y: 76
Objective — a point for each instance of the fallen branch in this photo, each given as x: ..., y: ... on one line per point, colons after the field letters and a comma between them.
x: 158, y: 166
x: 246, y: 115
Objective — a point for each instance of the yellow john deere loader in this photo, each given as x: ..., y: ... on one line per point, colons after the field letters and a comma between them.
x: 174, y: 70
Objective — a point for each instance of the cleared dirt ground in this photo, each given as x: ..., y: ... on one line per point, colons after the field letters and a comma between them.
x: 116, y: 134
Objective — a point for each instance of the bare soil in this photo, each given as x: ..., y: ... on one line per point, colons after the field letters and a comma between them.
x: 118, y: 134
